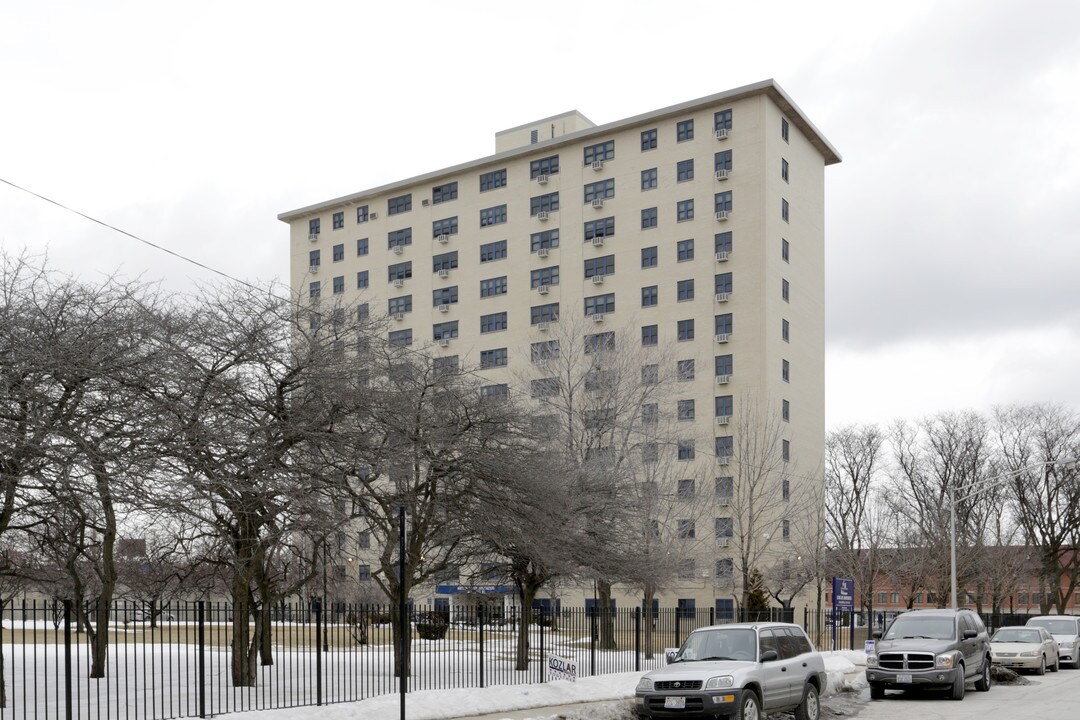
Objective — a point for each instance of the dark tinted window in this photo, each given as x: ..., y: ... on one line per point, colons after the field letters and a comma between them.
x: 789, y: 648
x: 767, y: 641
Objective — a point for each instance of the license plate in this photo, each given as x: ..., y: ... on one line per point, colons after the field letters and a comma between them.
x: 675, y: 703
x: 904, y: 678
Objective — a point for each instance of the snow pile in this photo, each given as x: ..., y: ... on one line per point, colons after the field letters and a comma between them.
x: 845, y: 669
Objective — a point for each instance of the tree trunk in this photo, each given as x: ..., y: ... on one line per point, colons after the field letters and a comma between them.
x: 605, y: 616
x: 402, y: 644
x: 266, y: 645
x: 527, y: 589
x: 100, y: 658
x: 243, y: 674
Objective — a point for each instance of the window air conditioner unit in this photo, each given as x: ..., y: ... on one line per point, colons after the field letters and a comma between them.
x: 399, y: 282
x: 542, y: 252
x: 542, y: 289
x: 443, y: 239
x: 373, y: 216
x: 542, y: 215
x: 723, y: 296
x: 444, y: 273
x: 313, y: 269
x: 597, y: 279
x: 444, y: 307
x: 598, y: 202
x: 598, y: 241
x: 723, y: 379
x: 540, y: 362
x: 724, y: 501
x: 542, y: 326
x: 723, y: 256
x: 541, y: 179
x: 425, y: 202
x: 720, y: 133
x: 597, y: 164
x: 722, y: 174
x: 723, y: 459
x: 723, y: 419
x: 313, y: 236
x: 398, y: 249
x: 598, y: 317
x: 443, y: 342
x: 722, y: 215
x: 722, y: 541
x: 399, y: 316
x: 723, y: 337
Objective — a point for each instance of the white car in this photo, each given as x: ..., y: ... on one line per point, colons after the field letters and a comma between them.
x: 1025, y: 647
x: 1066, y: 631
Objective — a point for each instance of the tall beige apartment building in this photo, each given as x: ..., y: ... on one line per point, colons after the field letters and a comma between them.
x: 697, y: 228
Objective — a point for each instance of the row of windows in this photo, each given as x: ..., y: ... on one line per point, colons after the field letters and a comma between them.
x: 723, y: 528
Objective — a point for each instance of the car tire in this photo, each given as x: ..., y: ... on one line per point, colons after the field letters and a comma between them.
x: 1056, y: 666
x: 957, y: 690
x: 877, y: 692
x: 749, y: 707
x: 1041, y: 670
x: 810, y: 707
x: 983, y: 683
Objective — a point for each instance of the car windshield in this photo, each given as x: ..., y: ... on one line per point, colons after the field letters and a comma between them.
x: 915, y: 626
x: 1056, y: 627
x: 719, y: 644
x: 1016, y: 635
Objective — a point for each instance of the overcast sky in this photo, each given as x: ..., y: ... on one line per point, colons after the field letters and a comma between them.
x: 951, y: 225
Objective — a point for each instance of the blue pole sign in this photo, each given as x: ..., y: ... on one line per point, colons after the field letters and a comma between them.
x: 843, y: 599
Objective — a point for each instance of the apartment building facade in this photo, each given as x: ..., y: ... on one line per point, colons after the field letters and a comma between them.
x: 697, y: 227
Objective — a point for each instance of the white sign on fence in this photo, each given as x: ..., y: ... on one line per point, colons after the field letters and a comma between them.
x: 560, y: 668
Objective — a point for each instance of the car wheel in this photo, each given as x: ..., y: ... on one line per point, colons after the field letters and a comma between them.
x: 1056, y: 666
x: 1041, y: 670
x: 957, y: 692
x: 877, y: 692
x: 810, y: 707
x: 749, y: 709
x: 983, y: 683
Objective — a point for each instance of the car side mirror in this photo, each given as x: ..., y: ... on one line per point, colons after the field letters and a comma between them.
x: 770, y: 656
x: 968, y: 634
x: 877, y: 635
x: 670, y: 656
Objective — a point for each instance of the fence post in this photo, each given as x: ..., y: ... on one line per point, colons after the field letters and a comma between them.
x: 543, y: 657
x: 712, y: 615
x: 637, y: 639
x: 318, y: 650
x: 67, y: 659
x: 480, y: 628
x: 678, y: 642
x: 592, y: 641
x: 201, y: 661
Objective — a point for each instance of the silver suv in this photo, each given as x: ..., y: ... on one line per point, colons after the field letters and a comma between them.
x: 742, y: 670
x: 930, y: 648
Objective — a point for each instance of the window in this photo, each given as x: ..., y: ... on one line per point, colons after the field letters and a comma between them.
x: 784, y: 250
x: 685, y: 450
x: 497, y: 393
x: 785, y: 211
x: 784, y: 169
x: 545, y: 203
x: 648, y: 257
x: 362, y: 280
x: 492, y: 323
x: 601, y: 189
x: 444, y: 296
x: 723, y: 324
x: 544, y: 351
x: 363, y: 573
x: 597, y: 380
x: 401, y: 237
x: 648, y: 179
x: 725, y: 489
x: 313, y: 226
x: 785, y: 371
x: 684, y: 370
x: 493, y: 251
x: 722, y: 283
x: 362, y: 246
x: 314, y: 258
x: 544, y: 313
x: 684, y: 210
x: 724, y: 446
x: 493, y: 286
x: 649, y: 336
x: 400, y: 338
x: 724, y: 406
x: 444, y: 331
x: 362, y: 313
x: 685, y: 330
x: 605, y: 227
x: 649, y: 296
x: 648, y: 139
x: 685, y: 569
x: 492, y: 180
x: 493, y: 216
x: 684, y: 170
x: 445, y: 261
x: 784, y: 129
x: 362, y: 214
x: 725, y: 528
x: 686, y: 409
x: 446, y: 226
x: 544, y: 166
x: 785, y: 489
x: 400, y: 304
x: 600, y: 151
x: 648, y: 218
x: 722, y: 202
x: 650, y: 374
x: 650, y: 452
x: 547, y: 239
x: 544, y: 387
x: 684, y: 131
x: 339, y: 284
x: 600, y: 304
x: 443, y: 193
x: 400, y: 204
x: 684, y: 250
x: 339, y: 220
x: 314, y: 289
x: 724, y: 365
x: 544, y: 276
x: 722, y: 160
x: 785, y: 290
x: 339, y: 253
x: 785, y: 330
x: 599, y: 342
x: 600, y: 266
x: 685, y: 489
x: 650, y: 413
x: 685, y: 529
x: 684, y: 290
x: 725, y: 570
x: 493, y: 358
x: 785, y: 450
x: 722, y: 242
x: 722, y: 120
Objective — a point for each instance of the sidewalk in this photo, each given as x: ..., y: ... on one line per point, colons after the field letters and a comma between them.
x: 605, y: 710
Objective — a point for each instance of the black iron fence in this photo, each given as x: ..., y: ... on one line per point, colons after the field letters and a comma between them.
x: 176, y: 660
